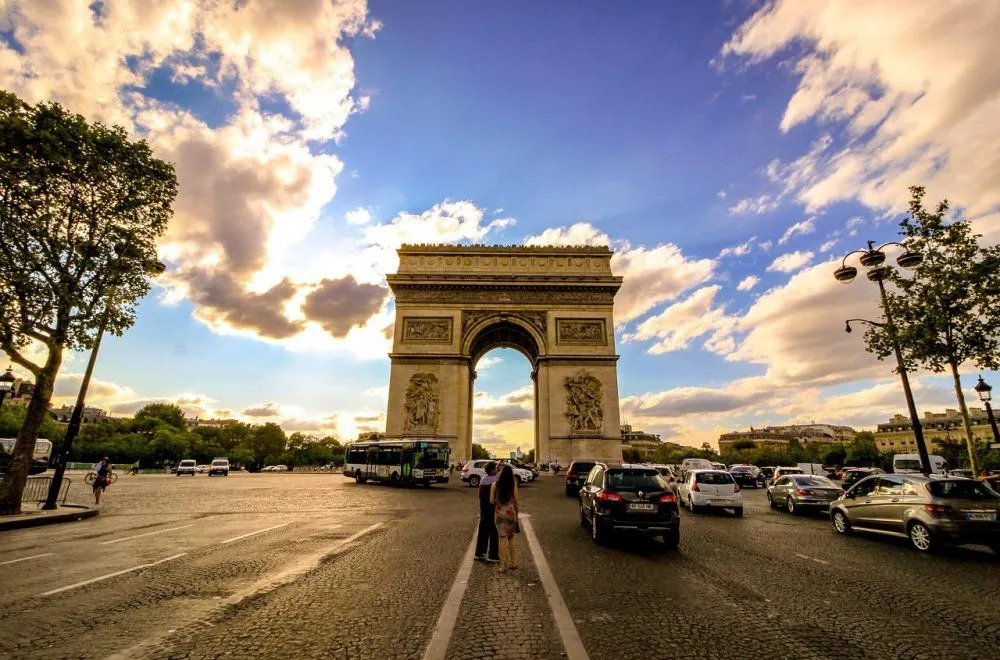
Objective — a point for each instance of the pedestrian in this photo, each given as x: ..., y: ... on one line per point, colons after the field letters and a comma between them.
x: 103, y: 469
x: 487, y: 540
x: 503, y: 496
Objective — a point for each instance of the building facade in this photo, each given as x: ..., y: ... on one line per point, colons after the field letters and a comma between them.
x: 778, y: 437
x: 63, y: 413
x: 897, y: 436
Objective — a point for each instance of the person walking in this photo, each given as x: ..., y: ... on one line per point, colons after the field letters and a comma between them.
x: 503, y: 496
x: 487, y: 540
x: 103, y: 478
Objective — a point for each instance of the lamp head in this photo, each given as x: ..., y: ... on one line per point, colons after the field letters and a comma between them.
x: 847, y: 327
x: 872, y: 258
x: 909, y: 259
x: 845, y: 274
x: 7, y: 380
x: 983, y: 389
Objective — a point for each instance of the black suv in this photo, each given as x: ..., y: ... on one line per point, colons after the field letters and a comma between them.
x: 576, y: 474
x: 631, y: 499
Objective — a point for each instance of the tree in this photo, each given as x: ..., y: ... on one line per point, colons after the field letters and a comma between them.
x: 529, y: 458
x: 862, y: 451
x: 167, y: 413
x: 946, y: 314
x: 479, y: 452
x: 81, y: 209
x: 835, y: 455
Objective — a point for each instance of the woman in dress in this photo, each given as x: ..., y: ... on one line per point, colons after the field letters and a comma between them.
x: 503, y: 496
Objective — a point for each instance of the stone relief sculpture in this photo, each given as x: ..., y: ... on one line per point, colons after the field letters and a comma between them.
x: 580, y: 331
x: 422, y: 403
x: 583, y: 402
x: 427, y: 330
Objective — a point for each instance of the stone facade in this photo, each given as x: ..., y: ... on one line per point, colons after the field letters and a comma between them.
x: 553, y: 304
x: 897, y: 434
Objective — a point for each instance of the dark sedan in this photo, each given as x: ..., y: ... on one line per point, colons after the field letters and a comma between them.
x: 629, y: 499
x: 851, y: 476
x: 802, y: 492
x: 747, y: 475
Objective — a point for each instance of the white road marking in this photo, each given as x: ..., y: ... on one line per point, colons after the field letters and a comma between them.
x: 111, y: 575
x: 818, y: 561
x: 139, y: 536
x: 14, y: 561
x: 445, y: 626
x: 564, y: 621
x: 259, y: 531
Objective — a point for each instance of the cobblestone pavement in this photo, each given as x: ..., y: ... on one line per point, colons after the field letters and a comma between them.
x: 316, y: 566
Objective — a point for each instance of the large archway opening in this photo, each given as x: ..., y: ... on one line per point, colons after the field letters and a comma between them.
x: 504, y: 359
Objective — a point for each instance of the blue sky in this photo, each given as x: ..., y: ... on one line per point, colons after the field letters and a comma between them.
x: 727, y: 151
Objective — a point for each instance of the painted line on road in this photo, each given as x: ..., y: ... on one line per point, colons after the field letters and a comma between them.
x: 14, y: 561
x: 259, y: 531
x: 445, y: 626
x: 564, y: 620
x: 111, y: 575
x: 818, y: 561
x: 139, y: 536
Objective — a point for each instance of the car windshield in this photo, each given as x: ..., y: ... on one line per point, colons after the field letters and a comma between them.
x: 790, y: 471
x: 714, y: 478
x: 962, y: 490
x: 907, y: 464
x: 635, y: 480
x: 581, y: 468
x: 818, y: 482
x: 432, y: 457
x: 742, y: 468
x: 187, y: 463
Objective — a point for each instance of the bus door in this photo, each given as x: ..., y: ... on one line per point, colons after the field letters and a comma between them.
x: 371, y: 461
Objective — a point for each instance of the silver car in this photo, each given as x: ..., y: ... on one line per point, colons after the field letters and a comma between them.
x: 797, y: 493
x: 930, y: 511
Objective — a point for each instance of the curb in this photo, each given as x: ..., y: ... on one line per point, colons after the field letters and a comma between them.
x: 22, y: 522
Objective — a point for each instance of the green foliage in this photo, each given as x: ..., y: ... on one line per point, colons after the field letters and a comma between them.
x: 12, y: 417
x: 167, y: 413
x: 529, y: 458
x: 631, y: 455
x: 835, y: 455
x: 862, y: 451
x: 479, y: 452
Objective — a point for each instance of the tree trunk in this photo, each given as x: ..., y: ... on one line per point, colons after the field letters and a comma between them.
x: 14, y: 481
x: 970, y: 442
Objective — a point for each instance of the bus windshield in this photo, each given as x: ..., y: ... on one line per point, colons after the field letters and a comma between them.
x: 432, y: 457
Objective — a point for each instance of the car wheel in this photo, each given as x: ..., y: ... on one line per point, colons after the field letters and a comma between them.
x: 583, y: 516
x: 841, y: 523
x: 569, y: 492
x: 517, y: 479
x: 738, y: 511
x: 995, y: 547
x: 597, y: 532
x: 921, y: 537
x: 691, y: 505
x: 790, y: 505
x: 771, y: 502
x: 672, y: 539
x: 474, y: 481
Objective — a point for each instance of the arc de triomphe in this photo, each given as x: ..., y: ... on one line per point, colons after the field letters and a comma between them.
x: 553, y: 304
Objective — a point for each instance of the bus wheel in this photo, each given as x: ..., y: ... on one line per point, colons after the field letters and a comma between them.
x: 394, y: 479
x: 358, y: 478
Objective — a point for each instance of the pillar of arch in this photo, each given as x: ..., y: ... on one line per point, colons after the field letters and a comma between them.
x: 553, y: 304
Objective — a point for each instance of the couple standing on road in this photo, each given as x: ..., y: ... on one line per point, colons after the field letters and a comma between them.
x: 498, y: 508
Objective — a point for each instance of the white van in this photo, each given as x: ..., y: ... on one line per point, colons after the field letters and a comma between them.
x: 689, y: 464
x: 812, y: 468
x: 910, y: 464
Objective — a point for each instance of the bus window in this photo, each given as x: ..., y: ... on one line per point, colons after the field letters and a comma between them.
x: 389, y: 456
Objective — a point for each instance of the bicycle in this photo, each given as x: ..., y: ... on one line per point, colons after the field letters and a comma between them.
x: 89, y: 479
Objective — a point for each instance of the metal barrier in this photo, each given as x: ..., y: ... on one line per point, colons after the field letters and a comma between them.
x: 37, y: 489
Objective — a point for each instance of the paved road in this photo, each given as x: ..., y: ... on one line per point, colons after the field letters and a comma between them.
x: 313, y: 565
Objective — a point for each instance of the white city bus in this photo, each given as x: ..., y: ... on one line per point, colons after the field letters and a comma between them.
x: 39, y: 458
x: 399, y: 462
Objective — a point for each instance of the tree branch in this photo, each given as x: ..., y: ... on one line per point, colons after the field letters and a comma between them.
x: 16, y: 357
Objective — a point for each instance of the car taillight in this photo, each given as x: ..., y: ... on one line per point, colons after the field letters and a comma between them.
x: 939, y: 509
x: 737, y: 488
x: 668, y: 498
x: 605, y: 496
x: 695, y: 488
x: 802, y: 491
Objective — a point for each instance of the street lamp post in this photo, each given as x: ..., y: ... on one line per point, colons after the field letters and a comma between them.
x: 6, y: 383
x: 76, y: 419
x: 983, y: 389
x: 873, y: 258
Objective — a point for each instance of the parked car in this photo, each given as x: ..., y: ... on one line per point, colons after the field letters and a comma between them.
x: 800, y: 492
x: 576, y: 474
x: 632, y: 499
x: 851, y: 476
x: 767, y: 472
x: 689, y: 464
x: 910, y: 464
x: 220, y: 466
x: 719, y: 466
x: 711, y: 489
x: 202, y: 469
x: 474, y: 471
x: 518, y: 464
x: 967, y: 474
x: 187, y: 466
x: 747, y: 475
x: 779, y: 472
x: 929, y: 511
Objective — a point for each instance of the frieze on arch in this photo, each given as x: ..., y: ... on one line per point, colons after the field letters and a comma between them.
x: 423, y: 398
x: 494, y: 295
x: 584, y: 400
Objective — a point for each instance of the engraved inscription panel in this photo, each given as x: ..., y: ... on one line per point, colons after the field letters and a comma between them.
x: 423, y: 330
x: 590, y: 332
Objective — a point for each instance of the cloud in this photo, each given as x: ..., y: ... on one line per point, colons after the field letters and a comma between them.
x: 754, y: 205
x: 747, y: 283
x: 799, y: 228
x: 339, y: 305
x: 67, y: 387
x: 740, y: 250
x: 683, y: 401
x: 263, y: 410
x: 359, y: 216
x: 898, y: 115
x: 681, y: 323
x: 829, y: 245
x: 790, y: 262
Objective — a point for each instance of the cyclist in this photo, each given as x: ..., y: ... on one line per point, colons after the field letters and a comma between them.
x: 104, y: 471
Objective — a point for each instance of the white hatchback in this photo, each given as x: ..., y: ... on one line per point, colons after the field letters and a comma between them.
x: 475, y: 471
x: 711, y: 489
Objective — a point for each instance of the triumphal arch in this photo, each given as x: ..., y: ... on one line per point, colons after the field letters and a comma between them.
x: 553, y: 304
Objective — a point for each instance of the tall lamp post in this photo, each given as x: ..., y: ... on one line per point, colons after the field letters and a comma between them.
x: 983, y: 389
x: 76, y: 419
x: 7, y: 383
x: 872, y: 259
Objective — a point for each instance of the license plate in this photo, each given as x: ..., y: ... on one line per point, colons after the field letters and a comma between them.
x: 981, y: 515
x: 641, y: 507
x: 722, y: 502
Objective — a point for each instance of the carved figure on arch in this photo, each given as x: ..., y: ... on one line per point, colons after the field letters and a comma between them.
x: 583, y: 402
x: 422, y: 402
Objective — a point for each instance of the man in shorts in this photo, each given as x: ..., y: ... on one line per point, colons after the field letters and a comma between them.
x: 103, y: 478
